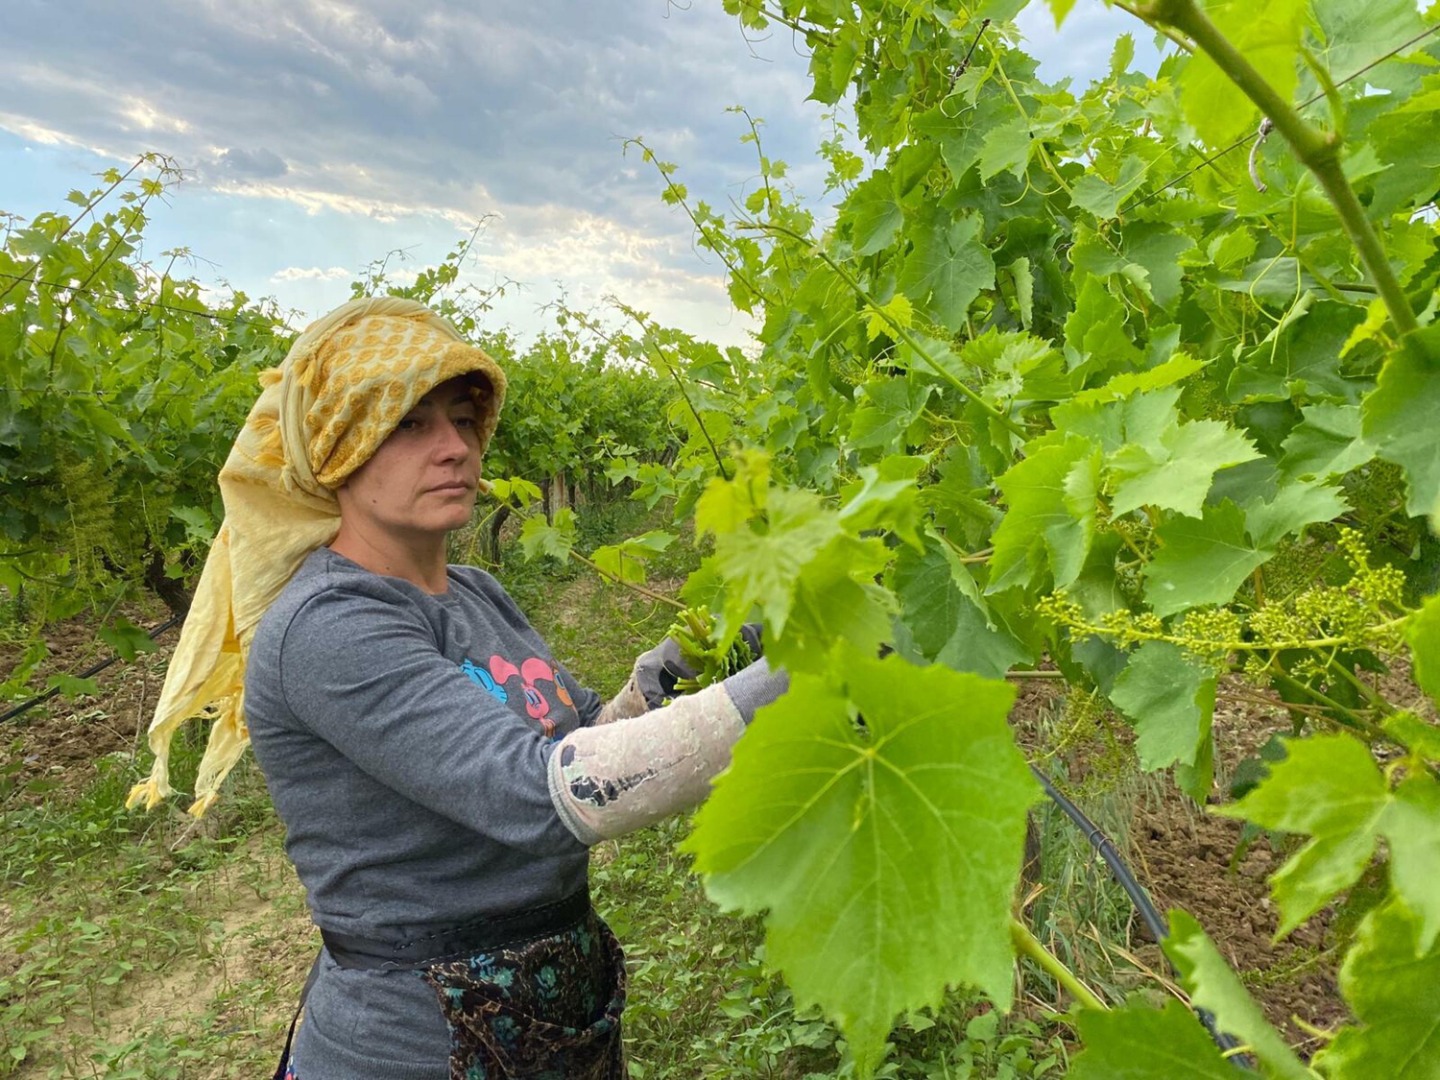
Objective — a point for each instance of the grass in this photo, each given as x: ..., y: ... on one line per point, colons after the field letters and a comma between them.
x: 138, y: 946
x: 100, y: 913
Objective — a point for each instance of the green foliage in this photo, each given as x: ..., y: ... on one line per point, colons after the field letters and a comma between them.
x: 1216, y: 988
x: 1385, y: 977
x: 572, y: 408
x: 1145, y: 398
x: 893, y: 830
x: 123, y: 390
x: 1330, y: 789
x: 1139, y: 1043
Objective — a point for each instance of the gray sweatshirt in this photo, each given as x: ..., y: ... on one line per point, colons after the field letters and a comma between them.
x: 405, y: 739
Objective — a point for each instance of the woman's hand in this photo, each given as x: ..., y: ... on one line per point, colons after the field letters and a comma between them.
x: 658, y: 670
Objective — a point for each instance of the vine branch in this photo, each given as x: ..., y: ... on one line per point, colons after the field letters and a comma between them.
x: 1029, y: 945
x: 900, y: 331
x: 1318, y: 151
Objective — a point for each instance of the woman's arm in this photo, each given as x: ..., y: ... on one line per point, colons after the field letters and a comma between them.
x: 609, y: 780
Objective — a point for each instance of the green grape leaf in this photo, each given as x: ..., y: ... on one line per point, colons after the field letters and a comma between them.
x: 947, y: 269
x: 874, y: 215
x: 764, y: 567
x: 1412, y: 827
x: 71, y: 687
x: 1175, y: 472
x: 982, y: 644
x: 127, y: 639
x: 1417, y: 736
x: 829, y: 605
x: 1301, y: 355
x: 948, y: 620
x: 626, y: 560
x: 1200, y: 562
x: 1103, y: 198
x: 1159, y: 249
x: 832, y: 68
x: 1393, y: 988
x: 1355, y: 34
x: 960, y: 136
x: 1095, y: 330
x: 1046, y: 519
x: 877, y: 811
x: 555, y: 538
x: 1423, y: 634
x: 1329, y: 788
x: 885, y: 498
x: 1006, y: 146
x: 1408, y: 140
x: 931, y: 600
x: 1214, y: 986
x: 1177, y: 369
x: 200, y: 524
x: 1024, y: 291
x: 1171, y: 700
x: 726, y: 505
x: 1137, y: 1042
x: 1293, y: 507
x: 959, y: 502
x: 1399, y: 419
x: 1327, y: 442
x: 889, y: 407
x: 1122, y: 56
x: 1060, y: 9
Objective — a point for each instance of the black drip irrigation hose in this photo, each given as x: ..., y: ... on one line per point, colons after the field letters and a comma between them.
x: 21, y: 710
x: 1138, y: 896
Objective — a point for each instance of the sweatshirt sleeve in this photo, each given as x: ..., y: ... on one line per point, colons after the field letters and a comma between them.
x: 365, y: 675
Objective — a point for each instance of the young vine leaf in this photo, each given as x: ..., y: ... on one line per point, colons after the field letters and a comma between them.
x: 1171, y: 700
x: 1330, y: 789
x: 1213, y: 986
x: 1389, y: 980
x: 1137, y: 1042
x: 877, y: 811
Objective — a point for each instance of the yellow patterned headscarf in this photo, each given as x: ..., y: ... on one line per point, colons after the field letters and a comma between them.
x: 350, y: 377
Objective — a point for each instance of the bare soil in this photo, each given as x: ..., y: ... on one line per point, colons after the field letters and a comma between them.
x: 1193, y: 860
x: 58, y: 741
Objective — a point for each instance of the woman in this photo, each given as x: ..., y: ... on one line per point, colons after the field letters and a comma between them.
x: 439, y: 775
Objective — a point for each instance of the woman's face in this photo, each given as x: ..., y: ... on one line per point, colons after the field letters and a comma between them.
x: 423, y: 477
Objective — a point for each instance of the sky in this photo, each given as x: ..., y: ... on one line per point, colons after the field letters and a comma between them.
x: 318, y: 136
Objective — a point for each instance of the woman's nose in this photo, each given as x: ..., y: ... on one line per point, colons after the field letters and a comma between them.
x: 451, y: 440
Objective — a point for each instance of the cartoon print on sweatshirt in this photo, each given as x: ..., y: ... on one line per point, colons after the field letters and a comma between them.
x: 537, y: 706
x: 481, y: 678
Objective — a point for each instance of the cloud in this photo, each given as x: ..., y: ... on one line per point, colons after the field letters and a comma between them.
x: 260, y: 164
x: 1081, y: 48
x: 312, y: 273
x: 449, y: 103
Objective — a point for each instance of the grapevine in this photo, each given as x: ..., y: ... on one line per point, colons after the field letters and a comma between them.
x: 1162, y: 402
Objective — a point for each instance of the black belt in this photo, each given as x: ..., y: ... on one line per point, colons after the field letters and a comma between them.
x: 481, y: 935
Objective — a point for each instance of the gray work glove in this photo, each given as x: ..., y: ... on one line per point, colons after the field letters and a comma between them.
x: 658, y: 670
